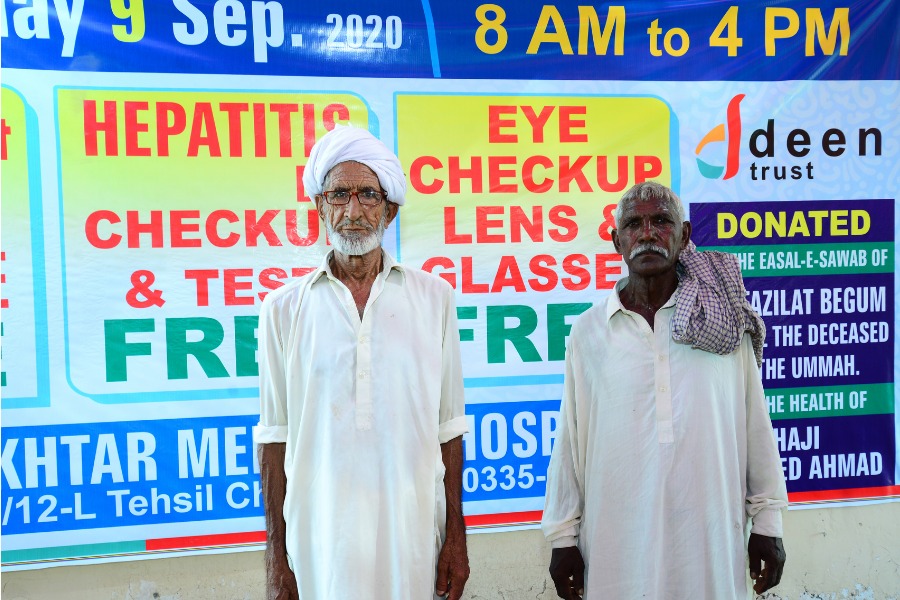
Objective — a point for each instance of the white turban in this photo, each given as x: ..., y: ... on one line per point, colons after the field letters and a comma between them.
x: 352, y: 143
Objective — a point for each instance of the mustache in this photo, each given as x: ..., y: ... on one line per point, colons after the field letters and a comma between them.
x: 641, y: 248
x: 348, y: 222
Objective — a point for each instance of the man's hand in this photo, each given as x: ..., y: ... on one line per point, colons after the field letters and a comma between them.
x: 280, y: 581
x: 452, y: 567
x: 453, y: 561
x: 769, y: 550
x: 567, y: 572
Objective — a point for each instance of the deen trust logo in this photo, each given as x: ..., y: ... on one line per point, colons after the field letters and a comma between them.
x: 718, y: 134
x: 766, y: 147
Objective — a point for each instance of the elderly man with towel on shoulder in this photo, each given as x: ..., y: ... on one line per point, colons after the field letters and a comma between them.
x: 361, y: 403
x: 665, y: 481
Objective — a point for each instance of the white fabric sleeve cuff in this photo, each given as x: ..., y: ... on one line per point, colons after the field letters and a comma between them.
x: 565, y: 537
x: 768, y: 522
x: 270, y: 434
x: 452, y: 429
x: 566, y: 541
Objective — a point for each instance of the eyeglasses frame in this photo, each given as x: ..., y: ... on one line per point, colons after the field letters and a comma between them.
x: 356, y: 194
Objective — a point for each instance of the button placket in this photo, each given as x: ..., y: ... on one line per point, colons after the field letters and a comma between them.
x: 662, y: 379
x: 347, y: 301
x: 365, y: 408
x: 365, y: 411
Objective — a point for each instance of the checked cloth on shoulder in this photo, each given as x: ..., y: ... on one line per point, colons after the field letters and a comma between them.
x: 712, y: 312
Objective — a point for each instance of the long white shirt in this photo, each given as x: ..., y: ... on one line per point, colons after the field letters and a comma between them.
x: 363, y: 406
x: 663, y: 456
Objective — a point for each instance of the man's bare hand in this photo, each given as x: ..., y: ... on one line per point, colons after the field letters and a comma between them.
x: 769, y: 550
x: 567, y: 572
x: 453, y: 561
x: 452, y: 567
x: 281, y: 584
x: 280, y: 581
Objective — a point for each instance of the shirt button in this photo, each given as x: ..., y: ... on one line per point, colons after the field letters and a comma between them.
x: 661, y: 357
x: 363, y: 374
x: 364, y: 339
x: 662, y: 388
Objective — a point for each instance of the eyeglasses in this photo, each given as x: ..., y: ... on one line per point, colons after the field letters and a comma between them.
x: 365, y: 197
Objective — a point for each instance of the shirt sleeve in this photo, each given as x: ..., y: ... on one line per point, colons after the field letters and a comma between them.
x: 766, y: 489
x: 272, y: 427
x: 564, y: 502
x: 453, y: 401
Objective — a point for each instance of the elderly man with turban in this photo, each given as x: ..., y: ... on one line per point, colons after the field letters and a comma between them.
x: 362, y: 407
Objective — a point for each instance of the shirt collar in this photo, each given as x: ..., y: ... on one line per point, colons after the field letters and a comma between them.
x: 324, y: 268
x: 614, y: 304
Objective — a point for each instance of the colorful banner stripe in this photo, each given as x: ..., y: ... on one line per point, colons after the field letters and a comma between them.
x: 197, y: 542
x: 207, y: 541
x: 871, y: 493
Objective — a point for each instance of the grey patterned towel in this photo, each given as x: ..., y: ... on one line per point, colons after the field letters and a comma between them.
x: 712, y: 312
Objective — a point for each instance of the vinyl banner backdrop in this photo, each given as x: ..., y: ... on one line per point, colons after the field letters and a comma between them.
x: 152, y: 195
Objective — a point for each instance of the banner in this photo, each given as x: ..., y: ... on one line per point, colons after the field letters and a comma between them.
x: 828, y: 304
x: 152, y: 161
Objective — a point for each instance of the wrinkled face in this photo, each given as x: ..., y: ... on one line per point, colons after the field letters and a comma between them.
x: 354, y: 229
x: 650, y: 237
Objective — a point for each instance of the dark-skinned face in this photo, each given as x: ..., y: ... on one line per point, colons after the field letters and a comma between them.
x: 650, y: 237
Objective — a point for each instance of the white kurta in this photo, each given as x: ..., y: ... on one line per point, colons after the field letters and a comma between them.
x: 664, y: 454
x: 363, y: 406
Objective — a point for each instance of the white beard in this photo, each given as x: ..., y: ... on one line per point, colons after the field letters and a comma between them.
x: 356, y: 243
